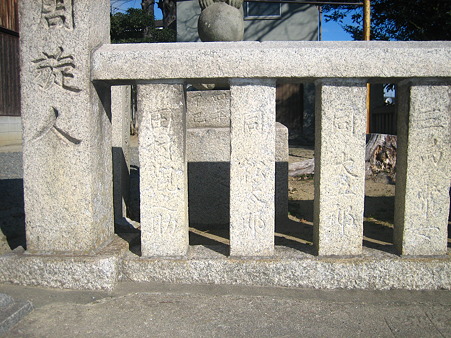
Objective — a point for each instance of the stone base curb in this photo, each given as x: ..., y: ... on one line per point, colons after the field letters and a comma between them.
x: 374, y: 270
x: 12, y: 311
x: 98, y: 271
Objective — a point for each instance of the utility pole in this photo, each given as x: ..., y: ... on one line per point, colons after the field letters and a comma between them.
x: 320, y: 22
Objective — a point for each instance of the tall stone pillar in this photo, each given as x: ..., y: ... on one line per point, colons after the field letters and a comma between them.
x: 339, y: 166
x: 252, y: 167
x: 423, y: 168
x: 163, y: 170
x: 66, y: 126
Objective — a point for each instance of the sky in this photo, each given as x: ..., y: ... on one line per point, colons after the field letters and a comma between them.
x: 331, y: 31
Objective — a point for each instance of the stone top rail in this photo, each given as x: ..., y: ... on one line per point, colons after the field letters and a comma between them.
x: 371, y: 60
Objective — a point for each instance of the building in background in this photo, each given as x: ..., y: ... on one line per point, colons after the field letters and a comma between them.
x: 10, y: 123
x: 263, y: 21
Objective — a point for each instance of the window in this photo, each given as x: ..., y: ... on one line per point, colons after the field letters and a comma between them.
x: 261, y: 10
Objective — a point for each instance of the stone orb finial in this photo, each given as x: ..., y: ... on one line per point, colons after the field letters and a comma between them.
x: 220, y: 21
x: 235, y: 3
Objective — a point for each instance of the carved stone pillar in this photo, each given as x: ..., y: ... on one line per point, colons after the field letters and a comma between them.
x: 423, y: 168
x: 66, y: 126
x: 163, y: 170
x: 339, y: 166
x: 252, y: 167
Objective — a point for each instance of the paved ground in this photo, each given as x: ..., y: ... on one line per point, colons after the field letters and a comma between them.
x: 155, y: 310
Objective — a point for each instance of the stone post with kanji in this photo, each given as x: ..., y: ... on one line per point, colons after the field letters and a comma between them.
x: 66, y: 126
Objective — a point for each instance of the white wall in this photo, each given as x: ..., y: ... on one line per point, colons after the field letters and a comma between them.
x: 10, y: 130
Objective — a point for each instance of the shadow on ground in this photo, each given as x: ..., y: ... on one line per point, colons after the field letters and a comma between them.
x: 12, y: 216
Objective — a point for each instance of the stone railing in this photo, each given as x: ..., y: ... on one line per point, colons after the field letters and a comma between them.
x: 340, y: 72
x: 67, y: 71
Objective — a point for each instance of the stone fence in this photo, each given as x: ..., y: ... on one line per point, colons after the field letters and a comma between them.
x: 68, y: 68
x: 340, y: 72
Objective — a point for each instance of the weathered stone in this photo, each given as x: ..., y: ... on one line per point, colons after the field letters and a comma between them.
x: 252, y: 167
x: 423, y: 168
x: 163, y: 170
x: 221, y: 22
x: 208, y: 109
x: 339, y: 166
x: 374, y: 270
x: 213, y: 144
x: 97, y: 271
x: 120, y: 121
x: 272, y: 59
x: 66, y: 130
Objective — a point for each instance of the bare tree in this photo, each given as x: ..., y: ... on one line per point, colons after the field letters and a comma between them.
x: 148, y: 7
x: 169, y: 9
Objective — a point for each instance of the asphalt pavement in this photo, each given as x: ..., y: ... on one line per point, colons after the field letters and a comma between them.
x: 157, y: 310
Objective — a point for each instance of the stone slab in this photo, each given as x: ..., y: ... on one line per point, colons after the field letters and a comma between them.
x: 339, y: 167
x: 163, y: 170
x: 275, y: 59
x: 98, y: 271
x: 66, y: 126
x: 12, y: 311
x: 423, y: 168
x: 209, y: 108
x: 374, y: 270
x: 252, y: 167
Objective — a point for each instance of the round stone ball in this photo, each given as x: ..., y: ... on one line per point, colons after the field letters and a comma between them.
x: 221, y: 22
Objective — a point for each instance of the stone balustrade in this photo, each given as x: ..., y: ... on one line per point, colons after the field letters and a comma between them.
x: 340, y: 72
x: 68, y: 67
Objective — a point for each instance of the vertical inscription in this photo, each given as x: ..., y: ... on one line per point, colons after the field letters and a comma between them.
x: 161, y: 122
x: 340, y: 153
x: 254, y: 120
x: 66, y: 129
x: 346, y: 123
x: 165, y: 178
x: 164, y: 222
x: 57, y: 14
x: 422, y: 187
x: 55, y: 68
x: 252, y: 168
x: 346, y: 170
x: 50, y: 126
x: 346, y: 219
x: 433, y: 122
x: 208, y: 109
x: 256, y: 173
